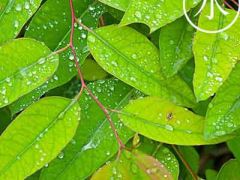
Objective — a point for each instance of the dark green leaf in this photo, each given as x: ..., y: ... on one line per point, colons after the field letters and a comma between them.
x: 94, y: 142
x: 92, y: 71
x: 175, y: 45
x: 234, y: 146
x: 230, y: 170
x: 118, y: 4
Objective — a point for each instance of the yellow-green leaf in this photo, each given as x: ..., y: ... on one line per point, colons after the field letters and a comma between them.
x: 215, y: 54
x: 134, y: 165
x: 223, y: 113
x: 25, y: 64
x: 13, y: 15
x: 155, y: 13
x: 36, y: 136
x: 163, y: 121
x: 135, y: 60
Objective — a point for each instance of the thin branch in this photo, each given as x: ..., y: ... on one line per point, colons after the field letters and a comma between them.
x: 84, y: 86
x: 195, y: 177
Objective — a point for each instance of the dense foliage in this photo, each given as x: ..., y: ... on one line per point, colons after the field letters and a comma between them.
x: 118, y: 89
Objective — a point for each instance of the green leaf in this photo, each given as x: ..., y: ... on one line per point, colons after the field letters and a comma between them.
x: 36, y: 136
x: 211, y: 174
x: 52, y: 26
x: 92, y: 71
x: 234, y: 146
x: 13, y: 16
x: 215, y: 54
x: 31, y: 64
x: 94, y: 142
x: 118, y: 4
x: 186, y: 73
x: 191, y: 156
x: 230, y: 170
x: 175, y: 44
x: 163, y: 121
x: 155, y: 13
x: 167, y: 158
x: 135, y: 60
x: 133, y: 165
x: 5, y: 119
x: 223, y: 112
x: 162, y: 154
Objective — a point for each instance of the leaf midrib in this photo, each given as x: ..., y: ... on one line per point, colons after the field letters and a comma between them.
x: 9, y: 4
x: 213, y: 53
x: 18, y: 71
x: 154, y: 124
x: 50, y: 125
x: 161, y: 83
x: 97, y: 129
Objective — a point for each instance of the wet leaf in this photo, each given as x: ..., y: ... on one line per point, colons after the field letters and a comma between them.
x: 155, y: 13
x: 135, y: 60
x: 94, y: 141
x: 135, y: 165
x: 118, y: 4
x: 13, y: 16
x: 92, y: 71
x: 160, y: 120
x: 223, y: 112
x: 36, y: 136
x: 215, y: 54
x: 175, y: 44
x: 52, y: 26
x: 162, y: 154
x: 31, y: 64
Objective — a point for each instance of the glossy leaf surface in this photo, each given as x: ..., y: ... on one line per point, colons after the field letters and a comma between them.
x: 215, y: 54
x: 37, y: 135
x: 135, y: 165
x: 163, y: 121
x: 29, y: 67
x: 155, y: 13
x: 13, y: 16
x: 94, y: 137
x: 135, y: 60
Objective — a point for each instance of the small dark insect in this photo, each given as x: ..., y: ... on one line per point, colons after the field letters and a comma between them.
x: 170, y: 116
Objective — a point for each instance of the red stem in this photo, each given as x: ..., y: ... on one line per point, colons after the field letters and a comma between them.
x: 84, y: 86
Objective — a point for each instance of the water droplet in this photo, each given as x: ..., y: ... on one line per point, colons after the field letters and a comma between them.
x: 61, y: 155
x: 168, y: 127
x: 138, y: 14
x: 18, y: 7
x: 91, y: 39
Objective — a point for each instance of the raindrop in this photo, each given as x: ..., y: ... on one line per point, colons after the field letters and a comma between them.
x: 61, y: 155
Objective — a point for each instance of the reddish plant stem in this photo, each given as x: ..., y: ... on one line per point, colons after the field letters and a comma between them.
x: 229, y: 6
x: 194, y: 176
x: 84, y: 86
